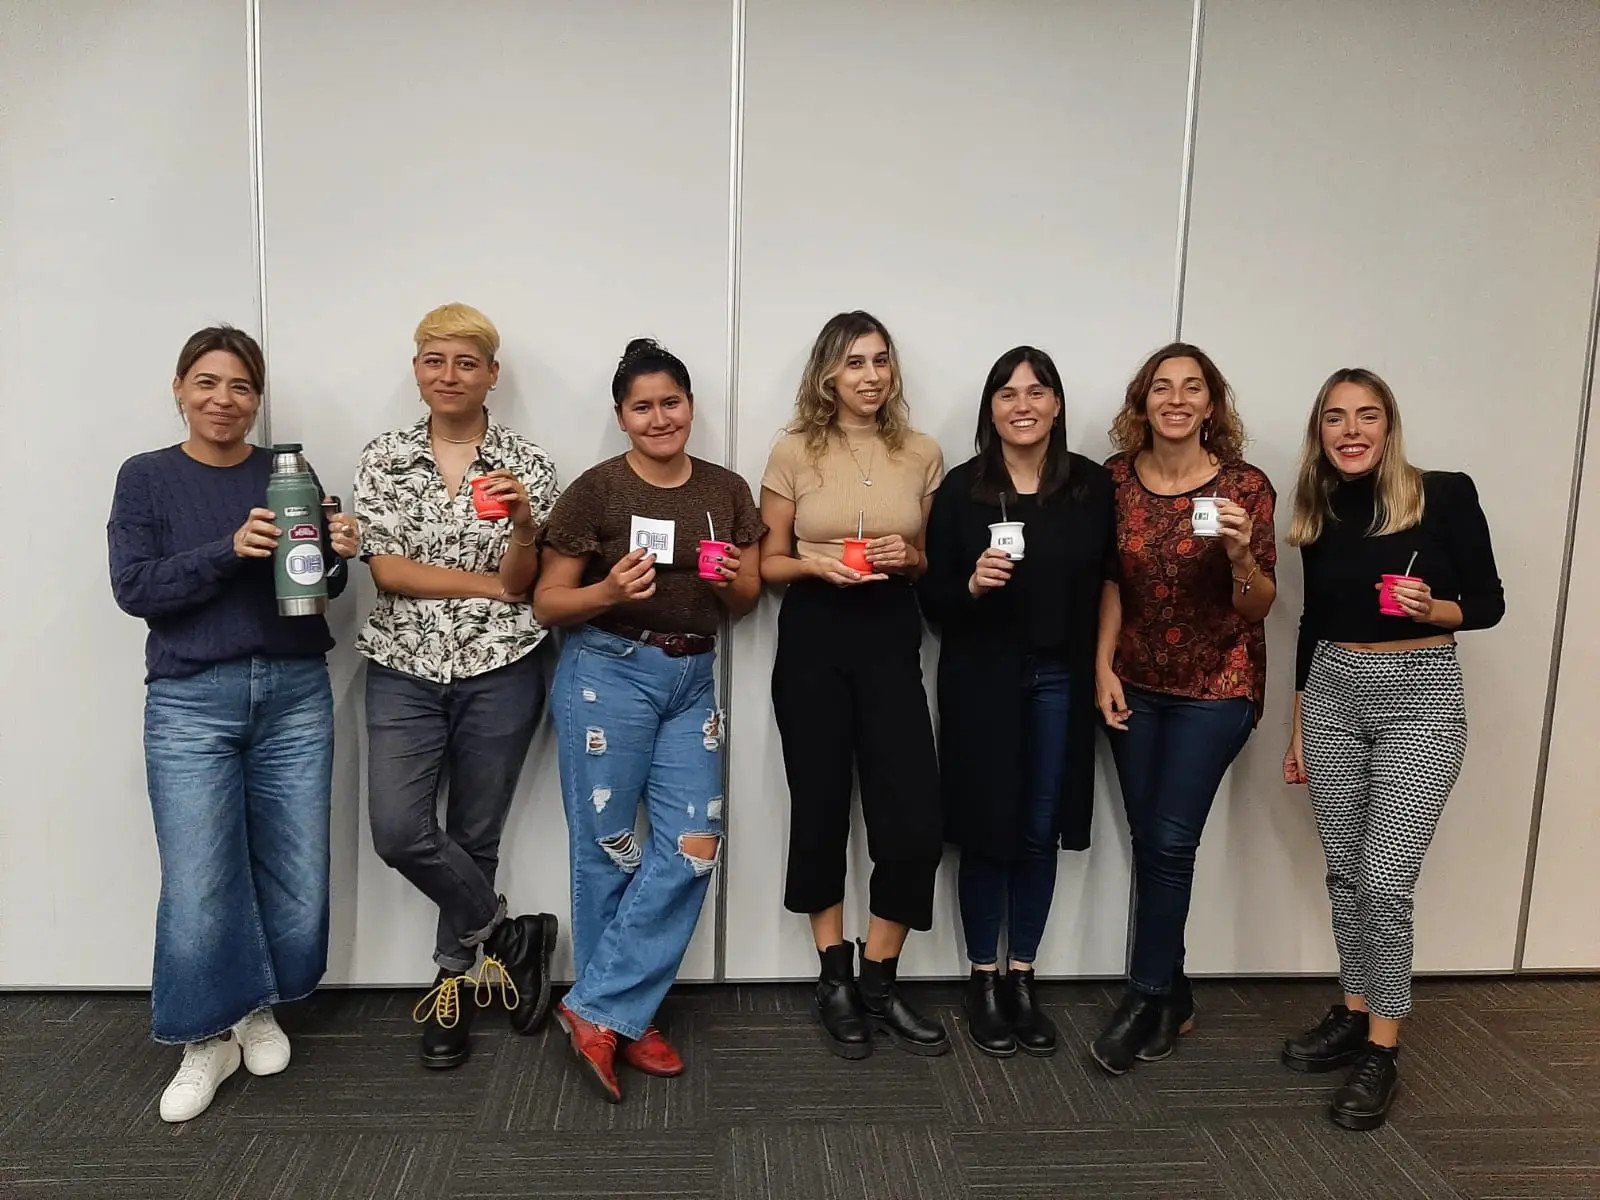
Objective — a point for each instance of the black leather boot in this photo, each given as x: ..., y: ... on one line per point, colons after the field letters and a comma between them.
x: 1127, y: 1032
x: 987, y: 1023
x: 523, y: 945
x: 1177, y: 1018
x: 1335, y: 1041
x: 1034, y: 1031
x: 844, y: 1026
x: 888, y: 1010
x: 1363, y: 1102
x: 446, y: 1022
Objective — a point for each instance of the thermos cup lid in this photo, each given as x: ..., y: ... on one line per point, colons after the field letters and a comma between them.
x: 287, y: 447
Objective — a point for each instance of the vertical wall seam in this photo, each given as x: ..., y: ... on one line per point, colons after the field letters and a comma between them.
x: 1180, y: 279
x: 730, y: 460
x: 258, y: 229
x: 1186, y: 183
x: 1563, y: 589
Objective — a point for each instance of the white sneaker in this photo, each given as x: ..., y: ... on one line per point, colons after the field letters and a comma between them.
x: 265, y: 1046
x: 205, y: 1066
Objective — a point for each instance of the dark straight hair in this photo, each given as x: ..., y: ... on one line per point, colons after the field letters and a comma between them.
x: 235, y: 342
x: 992, y: 479
x: 646, y: 356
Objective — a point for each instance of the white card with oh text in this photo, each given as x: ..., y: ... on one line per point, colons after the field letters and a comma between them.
x: 655, y: 537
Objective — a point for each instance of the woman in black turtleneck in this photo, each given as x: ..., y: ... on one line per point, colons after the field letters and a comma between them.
x: 1380, y: 723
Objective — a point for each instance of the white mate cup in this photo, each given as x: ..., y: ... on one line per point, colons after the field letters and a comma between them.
x: 1007, y: 536
x: 1203, y: 516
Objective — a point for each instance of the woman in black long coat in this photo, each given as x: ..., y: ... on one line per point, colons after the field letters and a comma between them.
x: 1018, y: 619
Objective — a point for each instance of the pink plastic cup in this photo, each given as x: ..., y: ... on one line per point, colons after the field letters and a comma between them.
x: 710, y: 554
x: 490, y: 508
x: 1387, y: 604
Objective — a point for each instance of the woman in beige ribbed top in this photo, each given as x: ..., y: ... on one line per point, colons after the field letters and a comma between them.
x: 847, y: 686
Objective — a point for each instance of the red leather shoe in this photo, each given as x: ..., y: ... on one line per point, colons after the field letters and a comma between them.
x: 653, y: 1055
x: 595, y: 1047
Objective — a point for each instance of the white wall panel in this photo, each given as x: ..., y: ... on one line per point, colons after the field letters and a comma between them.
x: 1564, y: 917
x: 124, y: 227
x: 977, y: 176
x: 562, y: 167
x: 1413, y: 188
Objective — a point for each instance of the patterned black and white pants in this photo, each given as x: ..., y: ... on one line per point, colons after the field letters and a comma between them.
x: 1384, y: 735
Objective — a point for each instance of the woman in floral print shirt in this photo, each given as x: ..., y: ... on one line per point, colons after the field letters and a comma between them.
x: 453, y: 683
x: 1181, y: 668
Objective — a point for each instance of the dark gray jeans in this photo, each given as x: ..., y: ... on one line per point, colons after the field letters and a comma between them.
x: 476, y: 731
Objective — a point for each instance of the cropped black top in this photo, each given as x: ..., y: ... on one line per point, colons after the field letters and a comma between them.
x: 1344, y: 564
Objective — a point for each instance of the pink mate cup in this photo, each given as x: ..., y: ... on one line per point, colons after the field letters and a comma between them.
x: 710, y: 552
x: 490, y: 508
x: 1387, y: 604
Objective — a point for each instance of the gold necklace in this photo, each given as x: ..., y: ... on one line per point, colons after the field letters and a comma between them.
x: 471, y: 441
x: 866, y: 476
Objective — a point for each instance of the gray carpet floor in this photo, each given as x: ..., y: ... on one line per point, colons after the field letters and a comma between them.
x: 1501, y: 1098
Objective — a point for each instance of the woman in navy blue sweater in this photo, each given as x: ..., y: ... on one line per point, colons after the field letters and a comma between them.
x: 238, y: 729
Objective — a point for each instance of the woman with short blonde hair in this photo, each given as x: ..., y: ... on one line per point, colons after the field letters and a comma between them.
x: 450, y: 507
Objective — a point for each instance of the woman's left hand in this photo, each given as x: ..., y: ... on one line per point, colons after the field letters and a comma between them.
x: 890, y: 553
x: 507, y: 488
x: 1417, y: 599
x: 727, y: 568
x: 344, y: 531
x: 1234, y: 526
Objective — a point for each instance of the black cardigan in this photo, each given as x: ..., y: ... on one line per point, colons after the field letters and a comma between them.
x: 983, y: 649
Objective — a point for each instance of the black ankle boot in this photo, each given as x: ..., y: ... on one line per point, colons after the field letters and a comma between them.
x: 1034, y: 1031
x: 1177, y: 1018
x: 987, y: 1023
x: 1335, y: 1041
x: 1363, y: 1102
x: 523, y: 945
x: 1127, y: 1032
x: 844, y: 1025
x: 888, y: 1010
x: 445, y: 1017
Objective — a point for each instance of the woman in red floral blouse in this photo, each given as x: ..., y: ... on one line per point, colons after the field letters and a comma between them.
x: 1181, y: 668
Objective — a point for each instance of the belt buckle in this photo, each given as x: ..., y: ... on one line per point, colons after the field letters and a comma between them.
x: 675, y: 645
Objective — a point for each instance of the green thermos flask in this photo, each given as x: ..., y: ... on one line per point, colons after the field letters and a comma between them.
x: 298, y: 568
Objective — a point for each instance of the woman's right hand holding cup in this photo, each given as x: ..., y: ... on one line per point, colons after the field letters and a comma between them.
x: 632, y: 578
x: 993, y: 571
x: 831, y: 570
x: 258, y: 536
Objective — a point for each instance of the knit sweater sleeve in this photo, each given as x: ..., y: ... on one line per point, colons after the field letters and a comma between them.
x: 146, y: 581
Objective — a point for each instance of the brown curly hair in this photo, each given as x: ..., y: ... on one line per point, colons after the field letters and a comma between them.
x: 1222, y: 433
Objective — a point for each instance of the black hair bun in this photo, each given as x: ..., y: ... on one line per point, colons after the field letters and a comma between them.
x: 641, y: 348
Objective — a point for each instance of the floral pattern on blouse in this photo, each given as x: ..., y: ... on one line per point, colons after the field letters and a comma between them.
x: 404, y: 510
x: 1181, y: 635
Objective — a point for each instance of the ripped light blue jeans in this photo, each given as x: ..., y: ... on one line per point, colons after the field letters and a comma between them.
x: 633, y: 725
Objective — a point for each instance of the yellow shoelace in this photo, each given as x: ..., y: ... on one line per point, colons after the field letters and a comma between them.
x: 491, y: 975
x: 442, y: 1004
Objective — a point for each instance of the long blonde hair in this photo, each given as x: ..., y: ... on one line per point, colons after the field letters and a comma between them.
x: 816, y: 405
x: 1397, y: 484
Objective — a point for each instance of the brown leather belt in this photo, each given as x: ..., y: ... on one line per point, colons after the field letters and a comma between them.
x: 673, y: 645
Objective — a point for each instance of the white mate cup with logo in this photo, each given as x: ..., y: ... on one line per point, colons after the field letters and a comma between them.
x: 1203, y: 516
x: 1006, y: 536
